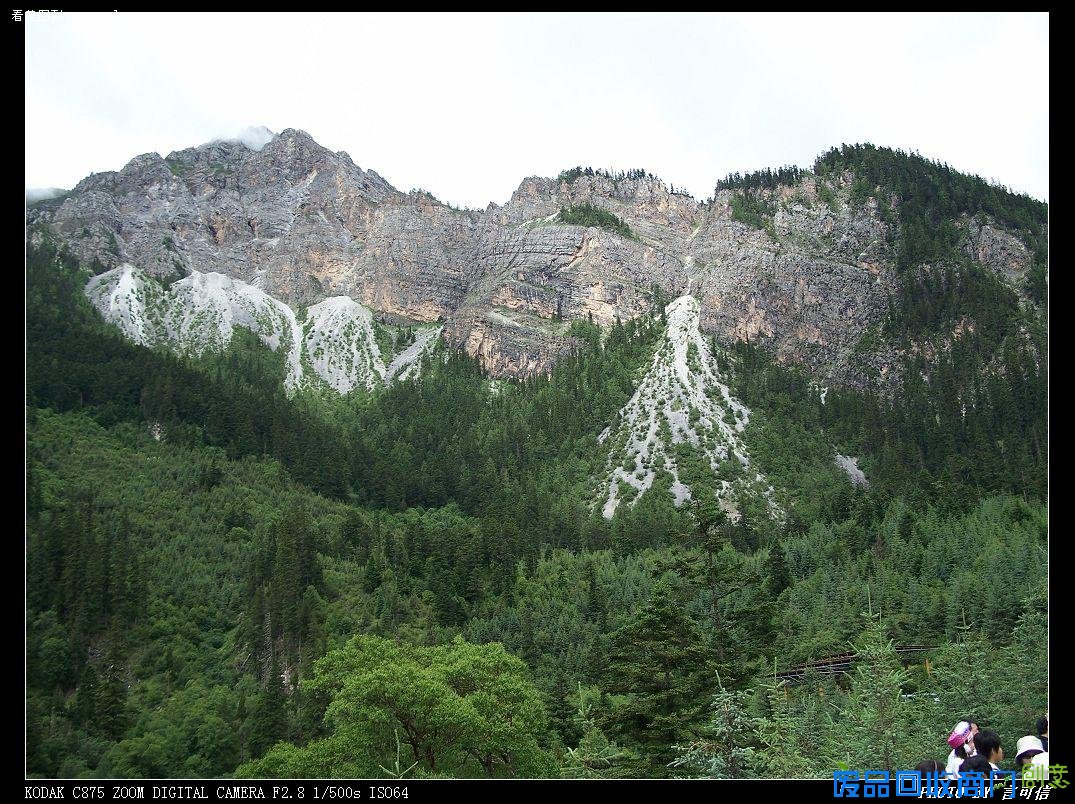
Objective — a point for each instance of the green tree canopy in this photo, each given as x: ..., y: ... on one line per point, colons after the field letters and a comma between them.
x: 661, y: 672
x: 461, y: 709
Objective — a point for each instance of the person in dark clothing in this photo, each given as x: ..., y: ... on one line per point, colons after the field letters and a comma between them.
x: 1043, y: 732
x: 987, y: 744
x: 979, y: 764
x: 976, y: 763
x: 929, y: 766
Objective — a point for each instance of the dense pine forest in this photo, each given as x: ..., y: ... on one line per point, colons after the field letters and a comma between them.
x: 224, y: 580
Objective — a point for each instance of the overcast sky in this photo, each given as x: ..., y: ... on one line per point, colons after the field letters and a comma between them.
x: 466, y: 106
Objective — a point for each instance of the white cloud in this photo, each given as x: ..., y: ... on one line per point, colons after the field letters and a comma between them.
x: 253, y: 137
x: 467, y: 105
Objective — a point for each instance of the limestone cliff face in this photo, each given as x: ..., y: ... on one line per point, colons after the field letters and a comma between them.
x: 807, y: 288
x: 304, y: 224
x: 1001, y: 251
x: 655, y: 211
x: 294, y: 219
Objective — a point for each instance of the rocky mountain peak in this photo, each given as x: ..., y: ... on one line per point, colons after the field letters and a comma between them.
x: 296, y: 145
x: 143, y: 162
x: 804, y: 267
x: 640, y: 198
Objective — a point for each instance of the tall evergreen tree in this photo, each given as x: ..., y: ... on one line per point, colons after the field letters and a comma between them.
x: 663, y: 671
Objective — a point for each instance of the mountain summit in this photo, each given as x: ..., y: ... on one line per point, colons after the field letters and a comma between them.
x: 805, y: 264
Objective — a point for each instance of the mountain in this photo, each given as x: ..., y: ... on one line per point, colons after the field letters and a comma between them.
x: 746, y: 426
x: 804, y: 263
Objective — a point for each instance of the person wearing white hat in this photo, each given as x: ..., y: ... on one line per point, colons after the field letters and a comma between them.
x: 1031, y: 758
x: 1027, y: 748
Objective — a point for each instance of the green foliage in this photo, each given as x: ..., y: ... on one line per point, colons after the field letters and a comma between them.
x: 428, y: 196
x: 176, y: 167
x: 196, y: 606
x: 113, y: 245
x: 589, y: 215
x: 941, y: 287
x: 596, y: 757
x: 971, y: 422
x: 918, y: 569
x: 824, y: 192
x: 568, y: 616
x: 728, y: 749
x: 559, y: 617
x: 1037, y: 282
x: 931, y: 298
x: 797, y: 734
x: 177, y: 273
x: 522, y: 459
x: 767, y: 179
x: 461, y: 709
x: 233, y: 400
x: 137, y: 583
x: 192, y: 735
x: 892, y: 718
x: 753, y: 210
x: 574, y: 174
x: 877, y: 727
x: 658, y: 673
x: 932, y: 196
x: 1003, y: 682
x: 659, y: 299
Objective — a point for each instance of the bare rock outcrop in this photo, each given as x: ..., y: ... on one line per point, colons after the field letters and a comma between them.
x: 305, y: 224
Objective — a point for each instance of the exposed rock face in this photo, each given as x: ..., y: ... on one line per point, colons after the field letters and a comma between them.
x: 531, y: 281
x: 850, y: 467
x: 808, y: 293
x: 197, y: 314
x: 341, y: 344
x: 305, y: 225
x: 334, y: 346
x: 682, y: 400
x: 998, y: 250
x: 654, y: 211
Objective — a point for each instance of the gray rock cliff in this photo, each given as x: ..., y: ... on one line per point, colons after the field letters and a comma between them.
x: 304, y: 224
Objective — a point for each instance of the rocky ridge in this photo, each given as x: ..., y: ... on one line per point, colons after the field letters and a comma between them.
x: 305, y: 225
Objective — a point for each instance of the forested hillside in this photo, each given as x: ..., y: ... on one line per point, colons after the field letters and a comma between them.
x: 225, y: 579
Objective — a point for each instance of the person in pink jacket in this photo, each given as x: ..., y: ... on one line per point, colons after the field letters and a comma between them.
x: 962, y: 742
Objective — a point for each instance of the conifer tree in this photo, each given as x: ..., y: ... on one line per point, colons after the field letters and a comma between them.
x: 660, y: 666
x: 596, y: 757
x: 791, y: 743
x: 878, y: 729
x: 268, y: 716
x: 728, y: 747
